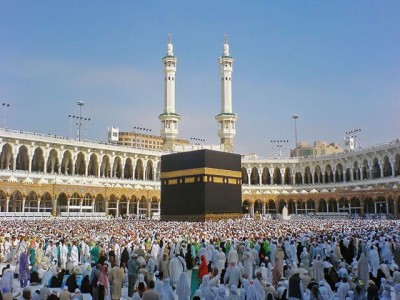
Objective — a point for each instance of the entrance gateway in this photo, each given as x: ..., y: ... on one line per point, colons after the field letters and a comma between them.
x: 201, y: 185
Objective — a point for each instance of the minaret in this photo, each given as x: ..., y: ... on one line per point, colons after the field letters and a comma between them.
x: 226, y: 119
x: 169, y: 119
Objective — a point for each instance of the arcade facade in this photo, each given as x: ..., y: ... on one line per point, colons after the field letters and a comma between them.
x: 42, y: 173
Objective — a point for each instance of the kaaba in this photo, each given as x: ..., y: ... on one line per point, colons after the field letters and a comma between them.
x: 201, y: 185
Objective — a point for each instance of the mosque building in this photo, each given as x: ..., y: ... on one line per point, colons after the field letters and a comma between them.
x: 43, y: 175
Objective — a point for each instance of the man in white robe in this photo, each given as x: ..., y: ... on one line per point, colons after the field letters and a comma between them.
x: 177, y: 265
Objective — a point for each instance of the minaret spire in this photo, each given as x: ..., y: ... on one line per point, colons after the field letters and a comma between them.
x: 226, y: 119
x: 169, y: 118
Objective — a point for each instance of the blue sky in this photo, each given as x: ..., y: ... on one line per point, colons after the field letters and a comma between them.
x: 335, y: 63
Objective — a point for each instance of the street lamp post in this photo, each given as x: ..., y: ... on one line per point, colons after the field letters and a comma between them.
x: 5, y: 105
x: 295, y: 117
x: 80, y: 103
x: 279, y: 145
x: 197, y: 141
x: 142, y: 131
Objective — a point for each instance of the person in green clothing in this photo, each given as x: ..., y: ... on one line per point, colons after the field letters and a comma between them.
x: 94, y: 253
x: 32, y: 255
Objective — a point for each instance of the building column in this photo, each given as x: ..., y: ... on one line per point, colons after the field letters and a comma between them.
x: 295, y: 208
x: 283, y: 176
x: 127, y: 207
x: 393, y: 167
x: 252, y: 210
x: 264, y: 208
x: 154, y: 174
x: 38, y: 206
x: 322, y: 176
x: 259, y: 177
x: 362, y: 204
x: 338, y: 207
x: 23, y: 205
x: 54, y: 208
x: 349, y: 207
x: 376, y: 211
x: 145, y: 171
x: 305, y: 206
x: 351, y: 174
x: 117, y: 212
x: 271, y: 176
x: 333, y: 175
x: 249, y: 177
x: 380, y: 169
x: 327, y: 207
x: 387, y: 206
x: 87, y: 167
x: 316, y: 206
x: 93, y: 205
x: 137, y: 207
x: 149, y: 209
x: 80, y: 205
x: 68, y: 201
x: 293, y: 178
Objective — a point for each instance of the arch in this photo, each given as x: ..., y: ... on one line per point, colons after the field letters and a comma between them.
x: 339, y: 173
x: 154, y: 206
x: 128, y: 169
x: 288, y: 176
x: 15, y: 204
x: 310, y: 206
x: 365, y: 169
x: 343, y: 205
x: 62, y: 203
x: 281, y: 205
x: 46, y: 202
x: 298, y: 178
x: 245, y: 176
x: 112, y: 205
x: 347, y: 175
x: 67, y: 163
x: 3, y: 201
x: 100, y: 203
x: 271, y: 207
x: 356, y: 171
x: 75, y: 202
x: 105, y: 167
x: 328, y: 176
x: 149, y: 170
x: 332, y: 205
x: 317, y: 174
x: 323, y: 206
x: 80, y: 164
x: 355, y: 205
x: 93, y: 167
x: 397, y: 165
x: 369, y: 206
x: 258, y: 207
x: 386, y: 167
x: 143, y: 206
x: 265, y: 177
x: 307, y: 175
x: 277, y: 177
x: 31, y: 202
x: 254, y: 176
x: 380, y: 203
x: 291, y: 207
x: 246, y: 205
x: 52, y: 162
x: 139, y: 170
x: 117, y: 167
x: 22, y: 159
x: 87, y: 202
x: 133, y: 205
x: 123, y: 206
x: 376, y: 169
x: 6, y: 157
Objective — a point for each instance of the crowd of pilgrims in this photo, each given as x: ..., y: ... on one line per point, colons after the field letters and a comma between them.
x: 231, y: 259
